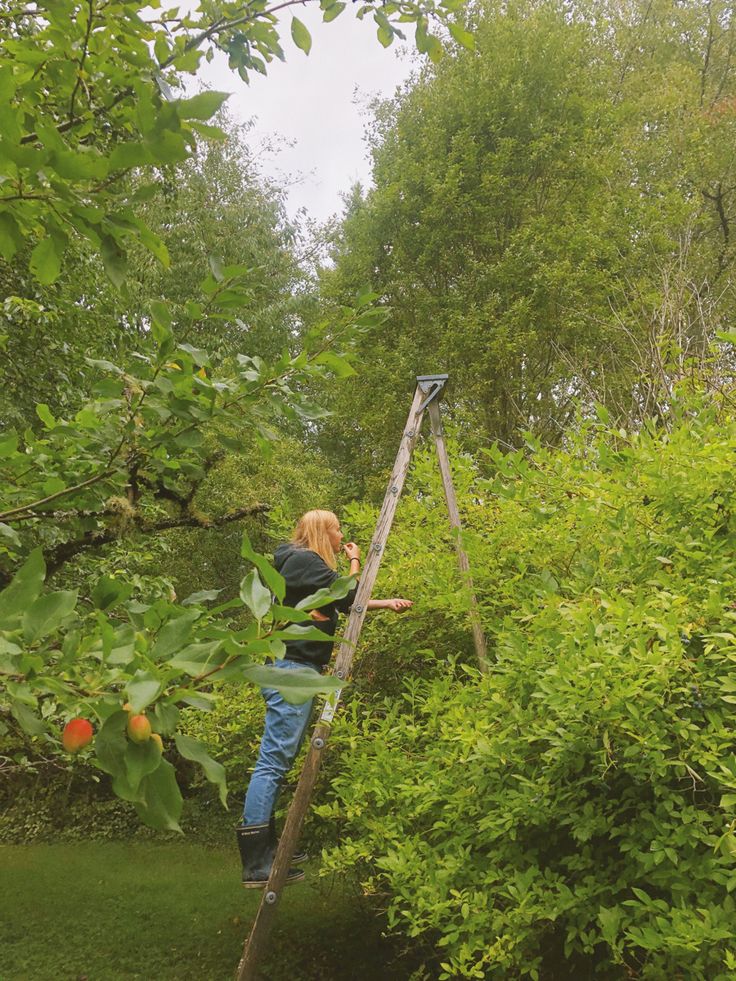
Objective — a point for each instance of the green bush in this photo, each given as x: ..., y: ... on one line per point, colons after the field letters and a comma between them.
x: 575, y: 805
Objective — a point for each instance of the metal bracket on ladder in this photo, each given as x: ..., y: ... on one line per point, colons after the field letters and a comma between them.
x: 426, y: 397
x: 431, y: 386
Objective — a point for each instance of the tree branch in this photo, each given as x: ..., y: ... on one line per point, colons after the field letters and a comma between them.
x: 57, y: 556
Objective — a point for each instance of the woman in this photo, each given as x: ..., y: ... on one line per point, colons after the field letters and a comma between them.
x: 307, y: 563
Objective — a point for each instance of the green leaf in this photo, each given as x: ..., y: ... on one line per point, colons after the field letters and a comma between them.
x: 173, y: 635
x: 203, y: 596
x: 197, y: 658
x: 10, y: 533
x: 333, y: 11
x: 140, y: 760
x: 161, y: 324
x: 127, y: 155
x: 339, y: 365
x: 162, y: 802
x: 201, y: 106
x: 166, y: 718
x: 44, y: 414
x: 300, y: 35
x: 463, y: 37
x: 296, y: 685
x: 47, y: 613
x: 45, y: 263
x: 110, y: 744
x: 10, y: 237
x: 109, y: 592
x: 338, y: 590
x: 255, y: 595
x: 142, y: 690
x: 433, y: 47
x: 192, y: 749
x: 274, y: 580
x: 297, y: 631
x: 22, y: 591
x: 385, y: 35
x: 114, y: 260
x: 26, y: 719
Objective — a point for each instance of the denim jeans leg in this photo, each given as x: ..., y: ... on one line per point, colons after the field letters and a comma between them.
x: 284, y: 731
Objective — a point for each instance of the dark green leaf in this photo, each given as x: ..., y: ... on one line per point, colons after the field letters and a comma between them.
x: 173, y: 635
x: 45, y: 261
x: 142, y: 690
x: 192, y: 749
x: 109, y: 592
x: 162, y: 801
x: 47, y: 613
x: 296, y: 685
x: 22, y: 591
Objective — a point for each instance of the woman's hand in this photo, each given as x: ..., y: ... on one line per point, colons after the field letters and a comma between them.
x: 352, y: 550
x: 398, y: 605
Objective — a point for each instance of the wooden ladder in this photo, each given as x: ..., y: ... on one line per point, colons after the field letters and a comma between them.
x: 426, y: 399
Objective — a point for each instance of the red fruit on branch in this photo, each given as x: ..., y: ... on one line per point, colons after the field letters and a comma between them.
x: 139, y: 728
x: 76, y: 735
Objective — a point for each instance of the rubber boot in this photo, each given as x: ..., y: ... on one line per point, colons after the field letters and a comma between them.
x: 256, y: 854
x: 298, y: 858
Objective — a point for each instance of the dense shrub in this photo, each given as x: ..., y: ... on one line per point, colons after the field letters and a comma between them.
x: 576, y: 804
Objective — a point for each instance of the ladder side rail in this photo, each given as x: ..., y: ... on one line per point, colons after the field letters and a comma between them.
x: 479, y: 639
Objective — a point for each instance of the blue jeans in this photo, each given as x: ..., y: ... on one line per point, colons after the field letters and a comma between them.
x: 285, y: 727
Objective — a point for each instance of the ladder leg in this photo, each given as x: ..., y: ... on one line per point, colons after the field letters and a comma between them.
x: 479, y: 639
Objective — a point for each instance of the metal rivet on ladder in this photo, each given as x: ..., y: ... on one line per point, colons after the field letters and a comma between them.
x: 318, y: 742
x: 358, y: 609
x: 340, y: 673
x: 394, y: 490
x: 377, y: 546
x: 410, y: 433
x: 271, y: 898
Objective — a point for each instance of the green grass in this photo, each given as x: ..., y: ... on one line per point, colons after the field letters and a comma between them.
x: 116, y: 910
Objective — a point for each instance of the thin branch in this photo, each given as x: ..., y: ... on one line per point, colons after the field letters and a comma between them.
x: 82, y: 57
x: 26, y: 509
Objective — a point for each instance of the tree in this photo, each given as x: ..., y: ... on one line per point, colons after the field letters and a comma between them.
x: 89, y: 122
x: 533, y: 199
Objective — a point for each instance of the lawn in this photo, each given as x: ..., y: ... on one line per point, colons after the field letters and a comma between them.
x: 94, y: 911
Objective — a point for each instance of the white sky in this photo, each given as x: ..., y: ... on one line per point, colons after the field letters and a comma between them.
x: 317, y: 104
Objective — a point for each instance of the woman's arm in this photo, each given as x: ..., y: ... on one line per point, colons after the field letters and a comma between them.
x: 397, y: 605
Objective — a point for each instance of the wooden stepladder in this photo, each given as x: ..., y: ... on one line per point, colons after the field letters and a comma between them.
x: 426, y: 399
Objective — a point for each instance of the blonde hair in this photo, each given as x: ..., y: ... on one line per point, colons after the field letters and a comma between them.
x: 311, y: 532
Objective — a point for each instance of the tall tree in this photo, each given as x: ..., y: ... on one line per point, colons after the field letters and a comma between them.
x: 533, y: 198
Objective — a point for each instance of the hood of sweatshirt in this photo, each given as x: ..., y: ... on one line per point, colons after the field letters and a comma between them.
x: 282, y: 553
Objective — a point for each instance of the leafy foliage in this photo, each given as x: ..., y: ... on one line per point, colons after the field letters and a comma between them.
x: 115, y: 657
x: 88, y: 96
x: 545, y: 221
x: 576, y: 804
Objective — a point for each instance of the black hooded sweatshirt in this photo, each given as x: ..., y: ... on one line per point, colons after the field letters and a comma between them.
x: 305, y: 572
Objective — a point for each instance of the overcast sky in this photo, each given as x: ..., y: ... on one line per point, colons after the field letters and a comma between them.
x: 317, y: 103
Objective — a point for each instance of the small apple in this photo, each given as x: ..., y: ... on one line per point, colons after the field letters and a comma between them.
x: 77, y: 734
x: 139, y: 728
x: 157, y: 739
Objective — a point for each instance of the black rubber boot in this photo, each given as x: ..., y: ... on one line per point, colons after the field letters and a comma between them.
x: 298, y: 858
x: 256, y: 854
